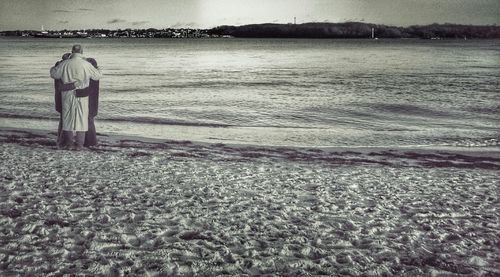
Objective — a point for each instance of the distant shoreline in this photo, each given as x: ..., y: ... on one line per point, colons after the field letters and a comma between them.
x: 358, y: 30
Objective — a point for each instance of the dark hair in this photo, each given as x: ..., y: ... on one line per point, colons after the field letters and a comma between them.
x: 66, y: 56
x: 92, y: 62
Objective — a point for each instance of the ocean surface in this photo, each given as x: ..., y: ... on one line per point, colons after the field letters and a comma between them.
x: 288, y: 92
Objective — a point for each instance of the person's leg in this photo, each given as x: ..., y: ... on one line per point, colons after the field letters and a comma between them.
x: 59, y: 133
x: 79, y: 140
x: 91, y: 136
x: 68, y: 121
x: 66, y: 139
x: 81, y: 118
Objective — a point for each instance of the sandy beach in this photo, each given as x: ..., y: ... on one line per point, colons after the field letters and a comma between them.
x: 135, y: 206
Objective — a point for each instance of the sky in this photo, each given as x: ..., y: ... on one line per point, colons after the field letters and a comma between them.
x: 115, y: 14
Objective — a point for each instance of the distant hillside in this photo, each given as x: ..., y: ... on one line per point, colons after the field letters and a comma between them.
x: 356, y: 30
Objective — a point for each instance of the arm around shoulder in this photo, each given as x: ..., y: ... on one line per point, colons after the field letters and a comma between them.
x: 96, y: 74
x: 56, y: 72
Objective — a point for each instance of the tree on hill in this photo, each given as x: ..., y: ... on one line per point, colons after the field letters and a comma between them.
x: 356, y: 30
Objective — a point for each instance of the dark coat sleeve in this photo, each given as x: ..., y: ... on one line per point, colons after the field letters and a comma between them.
x: 93, y: 98
x: 83, y: 92
x: 57, y: 95
x: 66, y: 87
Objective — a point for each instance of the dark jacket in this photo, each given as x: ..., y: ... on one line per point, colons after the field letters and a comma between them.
x: 57, y: 95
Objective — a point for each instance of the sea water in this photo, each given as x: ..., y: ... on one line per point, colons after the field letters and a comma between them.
x: 294, y: 92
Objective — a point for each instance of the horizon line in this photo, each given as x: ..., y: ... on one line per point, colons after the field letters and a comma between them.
x: 273, y: 23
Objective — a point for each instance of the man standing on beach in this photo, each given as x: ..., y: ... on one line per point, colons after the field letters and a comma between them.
x: 75, y: 110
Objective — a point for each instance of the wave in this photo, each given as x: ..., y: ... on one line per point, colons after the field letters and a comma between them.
x: 135, y: 74
x: 484, y: 66
x: 409, y: 110
x: 493, y: 110
x: 28, y: 116
x: 160, y: 121
x: 148, y: 120
x: 475, y: 142
x: 217, y: 84
x: 164, y: 121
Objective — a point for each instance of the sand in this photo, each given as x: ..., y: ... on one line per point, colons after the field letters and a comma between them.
x: 138, y: 207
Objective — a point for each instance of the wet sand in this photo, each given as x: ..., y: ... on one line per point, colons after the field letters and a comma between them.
x: 137, y: 206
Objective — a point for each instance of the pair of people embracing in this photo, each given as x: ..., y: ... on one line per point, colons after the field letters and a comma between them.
x: 76, y: 83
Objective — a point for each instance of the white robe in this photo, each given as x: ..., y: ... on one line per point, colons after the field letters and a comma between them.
x: 75, y: 110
